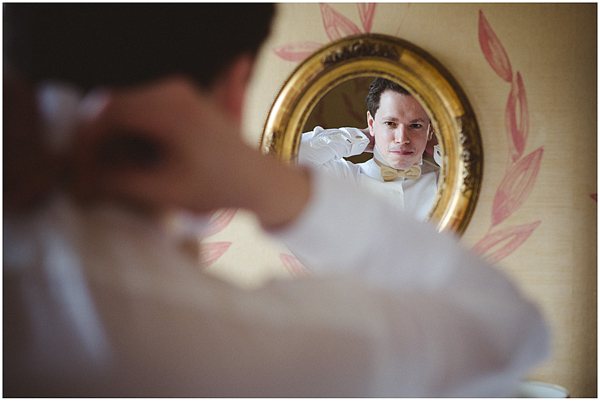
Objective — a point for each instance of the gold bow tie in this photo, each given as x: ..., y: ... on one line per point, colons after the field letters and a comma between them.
x: 390, y: 174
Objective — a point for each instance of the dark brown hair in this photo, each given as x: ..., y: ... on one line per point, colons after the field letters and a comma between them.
x: 377, y: 87
x: 117, y: 44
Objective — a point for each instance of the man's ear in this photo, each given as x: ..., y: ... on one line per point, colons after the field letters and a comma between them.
x: 230, y: 88
x: 430, y: 132
x: 370, y: 122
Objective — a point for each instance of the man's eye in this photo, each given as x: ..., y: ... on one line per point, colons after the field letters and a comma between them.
x: 416, y: 126
x: 390, y: 123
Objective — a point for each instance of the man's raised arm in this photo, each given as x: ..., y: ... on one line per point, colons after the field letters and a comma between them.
x: 320, y: 146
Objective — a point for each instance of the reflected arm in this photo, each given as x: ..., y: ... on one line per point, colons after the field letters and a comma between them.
x: 320, y: 146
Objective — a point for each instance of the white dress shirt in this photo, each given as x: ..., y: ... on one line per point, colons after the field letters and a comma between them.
x: 326, y: 149
x: 102, y: 302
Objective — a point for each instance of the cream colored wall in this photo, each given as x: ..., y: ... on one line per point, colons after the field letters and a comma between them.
x: 553, y: 46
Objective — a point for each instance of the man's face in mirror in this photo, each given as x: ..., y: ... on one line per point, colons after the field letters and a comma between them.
x: 400, y: 128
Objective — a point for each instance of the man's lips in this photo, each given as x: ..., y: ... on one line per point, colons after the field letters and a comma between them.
x: 402, y: 152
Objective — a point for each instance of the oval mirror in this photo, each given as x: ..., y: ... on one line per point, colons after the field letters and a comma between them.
x: 357, y: 59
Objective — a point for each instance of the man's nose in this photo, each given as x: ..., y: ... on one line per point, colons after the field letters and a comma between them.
x: 401, y: 135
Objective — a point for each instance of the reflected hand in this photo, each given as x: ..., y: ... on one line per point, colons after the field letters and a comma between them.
x: 371, y: 146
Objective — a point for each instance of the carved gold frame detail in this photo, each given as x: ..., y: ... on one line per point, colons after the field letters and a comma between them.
x: 424, y: 77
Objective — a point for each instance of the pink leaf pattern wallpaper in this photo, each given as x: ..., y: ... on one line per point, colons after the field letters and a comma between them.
x: 210, y: 252
x: 501, y: 243
x: 366, y: 12
x: 297, y: 51
x: 521, y: 174
x: 294, y: 266
x: 516, y: 186
x: 493, y: 50
x: 517, y: 133
x: 336, y: 27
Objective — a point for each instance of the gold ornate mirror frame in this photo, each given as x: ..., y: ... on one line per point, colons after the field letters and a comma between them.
x: 424, y: 77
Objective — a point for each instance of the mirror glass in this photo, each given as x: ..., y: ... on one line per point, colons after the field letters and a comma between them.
x: 328, y: 90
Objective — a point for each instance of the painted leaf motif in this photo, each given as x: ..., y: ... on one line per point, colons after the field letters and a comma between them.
x: 497, y: 246
x: 517, y: 132
x: 336, y: 25
x: 493, y: 50
x: 296, y: 51
x: 516, y: 186
x: 401, y: 24
x: 294, y: 266
x: 366, y: 11
x: 219, y: 220
x: 211, y: 252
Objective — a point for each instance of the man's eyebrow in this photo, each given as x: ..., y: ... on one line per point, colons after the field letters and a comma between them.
x: 392, y: 118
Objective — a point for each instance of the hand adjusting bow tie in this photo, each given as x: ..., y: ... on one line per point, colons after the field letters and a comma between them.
x: 390, y: 174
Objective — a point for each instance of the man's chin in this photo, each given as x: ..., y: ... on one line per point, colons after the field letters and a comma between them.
x: 402, y: 165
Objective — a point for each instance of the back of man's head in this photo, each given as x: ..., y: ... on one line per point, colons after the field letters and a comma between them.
x: 113, y: 44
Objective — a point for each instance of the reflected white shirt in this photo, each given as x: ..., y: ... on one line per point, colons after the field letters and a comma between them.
x: 105, y: 304
x: 326, y: 149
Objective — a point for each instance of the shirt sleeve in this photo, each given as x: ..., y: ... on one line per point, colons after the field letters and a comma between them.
x: 452, y: 326
x: 320, y: 146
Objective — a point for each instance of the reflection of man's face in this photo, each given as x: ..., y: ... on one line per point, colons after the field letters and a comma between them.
x: 400, y: 128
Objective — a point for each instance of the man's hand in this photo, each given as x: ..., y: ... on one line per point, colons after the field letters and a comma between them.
x: 166, y: 145
x: 371, y: 146
x: 157, y: 144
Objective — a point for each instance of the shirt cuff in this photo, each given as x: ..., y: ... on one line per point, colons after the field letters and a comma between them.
x: 359, y: 140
